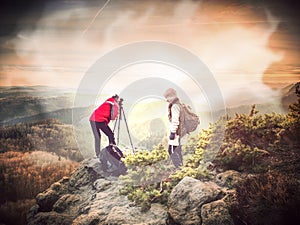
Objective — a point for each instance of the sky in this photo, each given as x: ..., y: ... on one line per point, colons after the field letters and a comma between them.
x: 250, y: 47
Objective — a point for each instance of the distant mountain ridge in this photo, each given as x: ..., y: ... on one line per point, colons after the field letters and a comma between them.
x: 289, y: 95
x: 27, y: 104
x: 33, y: 103
x: 63, y: 115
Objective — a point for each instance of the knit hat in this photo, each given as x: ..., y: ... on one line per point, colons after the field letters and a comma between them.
x: 170, y: 92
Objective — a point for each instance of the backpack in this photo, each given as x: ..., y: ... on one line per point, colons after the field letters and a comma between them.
x: 111, y: 163
x: 188, y: 120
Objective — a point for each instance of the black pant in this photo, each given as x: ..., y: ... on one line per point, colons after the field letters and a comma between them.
x: 96, y: 127
x: 175, y: 155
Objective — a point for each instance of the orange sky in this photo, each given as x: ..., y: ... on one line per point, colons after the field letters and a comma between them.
x: 241, y: 44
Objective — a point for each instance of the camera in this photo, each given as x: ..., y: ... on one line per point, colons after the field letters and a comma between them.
x: 120, y: 102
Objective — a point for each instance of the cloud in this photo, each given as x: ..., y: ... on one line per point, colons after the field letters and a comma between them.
x: 231, y: 39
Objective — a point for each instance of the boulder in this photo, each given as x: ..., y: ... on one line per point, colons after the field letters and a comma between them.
x: 216, y: 213
x: 229, y: 179
x: 67, y: 203
x: 187, y: 198
x: 46, y: 200
x: 44, y: 218
x: 85, y: 175
x: 91, y: 218
x: 157, y: 215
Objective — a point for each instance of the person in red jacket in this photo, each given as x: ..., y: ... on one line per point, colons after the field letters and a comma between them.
x: 100, y: 119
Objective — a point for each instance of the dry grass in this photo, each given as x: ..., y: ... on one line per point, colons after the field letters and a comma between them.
x: 23, y: 176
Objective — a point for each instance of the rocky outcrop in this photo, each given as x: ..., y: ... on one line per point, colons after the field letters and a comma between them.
x: 195, y: 202
x: 88, y: 197
x: 188, y: 196
x: 157, y: 215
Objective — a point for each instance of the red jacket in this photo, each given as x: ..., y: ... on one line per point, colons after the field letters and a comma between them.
x: 107, y: 111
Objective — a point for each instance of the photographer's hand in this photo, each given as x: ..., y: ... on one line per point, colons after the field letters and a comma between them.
x: 172, y: 136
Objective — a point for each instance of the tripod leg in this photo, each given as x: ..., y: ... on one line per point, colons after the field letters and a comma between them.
x: 127, y: 129
x: 118, y: 120
x: 119, y: 125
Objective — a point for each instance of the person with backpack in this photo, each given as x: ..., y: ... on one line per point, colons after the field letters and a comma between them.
x: 174, y: 109
x: 100, y: 119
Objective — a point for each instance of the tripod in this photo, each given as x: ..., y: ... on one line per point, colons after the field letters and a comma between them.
x: 118, y: 122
